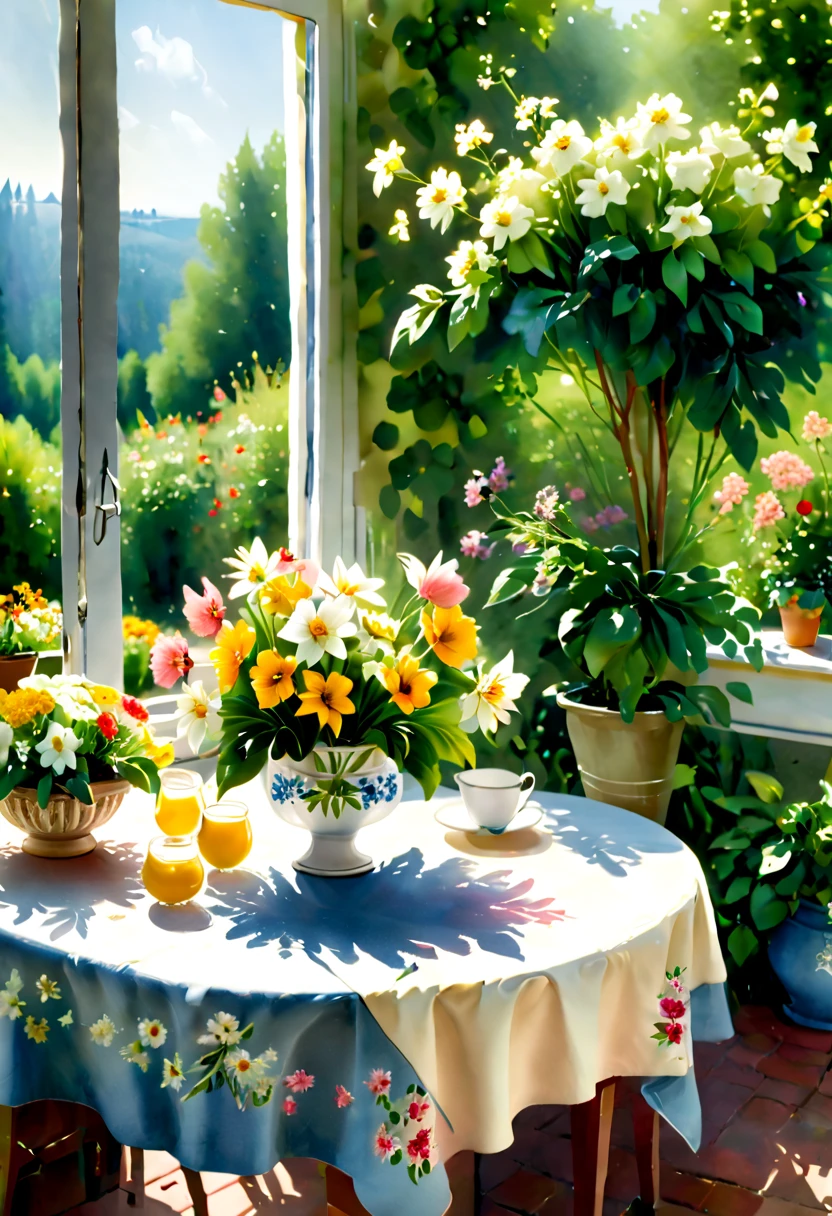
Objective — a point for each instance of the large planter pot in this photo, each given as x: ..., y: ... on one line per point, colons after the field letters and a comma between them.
x: 62, y: 828
x: 16, y: 667
x: 332, y: 852
x: 800, y: 953
x: 800, y: 625
x: 627, y: 764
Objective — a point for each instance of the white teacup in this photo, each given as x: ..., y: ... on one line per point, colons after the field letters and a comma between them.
x: 493, y: 796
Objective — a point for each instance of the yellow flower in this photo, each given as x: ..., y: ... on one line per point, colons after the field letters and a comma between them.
x: 24, y: 704
x: 104, y: 696
x: 451, y: 636
x: 160, y: 753
x: 233, y: 645
x: 280, y: 596
x: 379, y: 626
x: 135, y: 627
x: 271, y: 678
x: 410, y: 686
x: 327, y: 698
x: 36, y: 1030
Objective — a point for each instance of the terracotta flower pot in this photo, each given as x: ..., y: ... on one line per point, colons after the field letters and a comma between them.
x: 62, y: 828
x: 801, y: 626
x: 15, y: 667
x: 626, y: 764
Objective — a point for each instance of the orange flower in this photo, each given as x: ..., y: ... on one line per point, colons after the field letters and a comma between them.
x: 451, y: 636
x: 233, y: 492
x: 327, y: 698
x: 280, y: 597
x: 203, y: 459
x: 410, y: 686
x: 271, y: 678
x: 239, y: 449
x: 233, y: 645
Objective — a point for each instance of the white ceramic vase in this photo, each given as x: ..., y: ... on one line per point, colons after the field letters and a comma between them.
x: 332, y: 852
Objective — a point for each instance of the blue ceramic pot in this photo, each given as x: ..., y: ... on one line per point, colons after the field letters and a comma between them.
x: 800, y: 953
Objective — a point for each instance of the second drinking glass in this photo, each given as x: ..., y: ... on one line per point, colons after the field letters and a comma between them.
x: 181, y: 801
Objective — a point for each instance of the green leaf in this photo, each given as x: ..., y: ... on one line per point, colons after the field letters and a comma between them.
x: 386, y: 436
x: 744, y: 311
x: 390, y: 501
x: 624, y: 298
x: 742, y: 944
x: 684, y: 775
x: 612, y: 629
x: 767, y: 911
x: 642, y: 317
x: 416, y: 320
x: 707, y: 247
x: 508, y: 584
x: 11, y: 778
x: 45, y: 789
x: 738, y: 889
x: 692, y: 261
x: 766, y: 787
x: 762, y: 255
x: 675, y: 277
x: 79, y: 788
x: 477, y: 427
x: 741, y: 691
x: 740, y: 268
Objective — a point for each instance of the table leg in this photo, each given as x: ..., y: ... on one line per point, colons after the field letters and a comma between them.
x: 132, y: 1176
x: 591, y: 1125
x: 646, y: 1137
x: 6, y: 1143
x: 196, y: 1191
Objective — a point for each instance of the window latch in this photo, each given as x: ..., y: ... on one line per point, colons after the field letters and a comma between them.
x: 104, y: 510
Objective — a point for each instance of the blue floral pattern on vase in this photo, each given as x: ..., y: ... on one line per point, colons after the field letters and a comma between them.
x: 382, y: 788
x: 284, y: 789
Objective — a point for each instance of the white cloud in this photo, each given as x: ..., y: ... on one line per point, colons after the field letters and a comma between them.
x: 170, y: 57
x: 191, y: 130
x: 126, y: 120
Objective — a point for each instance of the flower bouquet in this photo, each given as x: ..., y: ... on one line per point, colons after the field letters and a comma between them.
x: 28, y: 624
x: 69, y: 751
x: 338, y: 692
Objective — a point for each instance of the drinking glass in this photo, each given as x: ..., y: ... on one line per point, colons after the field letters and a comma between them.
x: 181, y: 801
x: 225, y: 836
x: 172, y: 871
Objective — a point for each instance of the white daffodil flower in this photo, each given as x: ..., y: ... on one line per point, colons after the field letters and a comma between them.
x: 620, y: 143
x: 515, y: 178
x: 687, y: 221
x: 467, y: 256
x: 722, y: 141
x: 320, y: 629
x: 563, y: 145
x: 794, y: 141
x: 353, y: 583
x: 401, y: 227
x: 57, y: 750
x: 197, y: 715
x: 384, y: 164
x: 607, y: 186
x: 134, y: 1054
x: 102, y: 1031
x: 377, y: 631
x: 251, y: 567
x: 505, y: 219
x: 470, y: 137
x: 152, y: 1033
x: 437, y: 201
x: 240, y: 1065
x: 525, y: 111
x: 493, y: 699
x: 661, y: 119
x: 754, y: 186
x: 222, y: 1028
x: 6, y: 737
x: 173, y: 1072
x: 689, y: 170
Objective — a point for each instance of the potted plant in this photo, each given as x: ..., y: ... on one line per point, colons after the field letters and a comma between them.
x: 28, y: 624
x: 667, y: 281
x: 336, y: 694
x: 69, y: 752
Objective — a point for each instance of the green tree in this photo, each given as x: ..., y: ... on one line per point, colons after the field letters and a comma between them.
x: 239, y: 302
x: 133, y: 397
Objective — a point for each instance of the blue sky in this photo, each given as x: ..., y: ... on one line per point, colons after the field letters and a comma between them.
x: 193, y: 77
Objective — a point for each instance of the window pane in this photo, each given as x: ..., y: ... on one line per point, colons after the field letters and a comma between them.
x: 203, y: 307
x: 31, y: 167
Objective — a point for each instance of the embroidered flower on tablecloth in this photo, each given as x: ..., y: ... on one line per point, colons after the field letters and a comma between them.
x: 343, y: 1097
x: 298, y: 1082
x: 11, y: 1005
x: 152, y: 1033
x: 386, y: 1144
x: 222, y: 1028
x: 36, y: 1030
x: 673, y: 1009
x: 48, y: 989
x: 67, y: 1019
x: 290, y: 1106
x: 419, y: 1148
x: 135, y: 1054
x: 173, y: 1073
x: 102, y: 1031
x: 379, y: 1082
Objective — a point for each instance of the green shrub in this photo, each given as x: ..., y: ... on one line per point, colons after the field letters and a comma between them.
x: 30, y: 507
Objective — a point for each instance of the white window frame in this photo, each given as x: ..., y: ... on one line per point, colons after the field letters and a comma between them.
x: 319, y: 107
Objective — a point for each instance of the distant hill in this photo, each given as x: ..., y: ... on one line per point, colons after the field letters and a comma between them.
x: 152, y: 255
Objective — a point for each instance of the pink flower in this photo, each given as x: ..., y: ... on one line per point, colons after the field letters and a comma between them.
x: 418, y: 1108
x: 610, y: 515
x: 169, y: 660
x: 671, y: 1008
x: 290, y: 1106
x: 204, y: 613
x: 577, y: 494
x: 733, y: 491
x: 418, y: 1149
x: 677, y: 984
x: 546, y: 503
x: 385, y: 1143
x: 588, y: 524
x: 379, y: 1082
x: 219, y: 395
x: 473, y: 544
x: 786, y: 470
x: 474, y: 489
x: 298, y: 1082
x: 500, y: 476
x: 674, y: 1032
x: 815, y: 427
x: 767, y: 510
x: 287, y: 563
x: 439, y: 583
x: 343, y: 1097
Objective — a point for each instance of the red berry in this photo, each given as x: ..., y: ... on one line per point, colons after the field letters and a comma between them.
x: 804, y: 507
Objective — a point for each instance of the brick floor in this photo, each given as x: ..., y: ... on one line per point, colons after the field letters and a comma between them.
x: 766, y: 1149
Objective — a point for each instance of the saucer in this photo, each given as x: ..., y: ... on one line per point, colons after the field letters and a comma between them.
x: 454, y: 815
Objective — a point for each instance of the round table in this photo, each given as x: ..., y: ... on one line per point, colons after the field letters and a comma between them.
x: 495, y: 973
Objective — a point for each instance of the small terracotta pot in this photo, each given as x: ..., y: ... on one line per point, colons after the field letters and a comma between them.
x: 15, y: 667
x: 800, y: 625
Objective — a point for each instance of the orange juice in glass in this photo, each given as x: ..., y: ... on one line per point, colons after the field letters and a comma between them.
x: 180, y: 801
x: 172, y: 871
x: 225, y: 836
